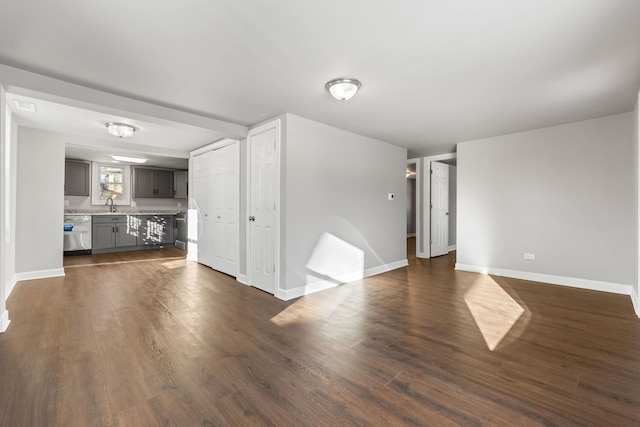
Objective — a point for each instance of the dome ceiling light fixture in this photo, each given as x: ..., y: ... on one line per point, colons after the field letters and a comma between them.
x: 343, y: 89
x: 121, y: 130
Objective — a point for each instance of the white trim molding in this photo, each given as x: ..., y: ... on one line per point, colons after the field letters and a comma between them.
x: 453, y: 248
x: 42, y: 274
x: 243, y: 278
x: 4, y: 321
x: 594, y: 285
x: 636, y: 301
x: 323, y: 284
x: 10, y: 286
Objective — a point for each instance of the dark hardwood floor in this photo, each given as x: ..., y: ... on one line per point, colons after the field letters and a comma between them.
x: 147, y: 338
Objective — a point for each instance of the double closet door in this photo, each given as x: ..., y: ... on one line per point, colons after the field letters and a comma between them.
x: 216, y: 195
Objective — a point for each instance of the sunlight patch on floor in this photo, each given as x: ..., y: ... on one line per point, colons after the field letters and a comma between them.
x: 132, y: 261
x: 493, y: 309
x: 175, y: 264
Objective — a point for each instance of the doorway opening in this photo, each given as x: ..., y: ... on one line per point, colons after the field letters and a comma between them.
x: 431, y: 224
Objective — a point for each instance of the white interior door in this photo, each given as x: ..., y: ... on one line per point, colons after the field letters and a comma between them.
x: 264, y: 173
x: 225, y: 207
x: 201, y: 201
x: 439, y: 209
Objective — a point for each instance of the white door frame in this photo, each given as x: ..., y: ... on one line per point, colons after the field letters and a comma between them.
x: 211, y: 147
x: 278, y: 291
x: 418, y: 163
x: 424, y: 222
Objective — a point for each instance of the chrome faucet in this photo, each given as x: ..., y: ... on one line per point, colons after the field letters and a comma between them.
x: 113, y: 205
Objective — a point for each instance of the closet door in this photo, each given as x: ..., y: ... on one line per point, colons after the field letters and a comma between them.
x: 225, y: 209
x: 202, y: 204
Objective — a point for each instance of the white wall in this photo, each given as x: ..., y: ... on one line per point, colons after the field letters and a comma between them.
x: 39, y: 241
x: 337, y: 182
x: 564, y: 193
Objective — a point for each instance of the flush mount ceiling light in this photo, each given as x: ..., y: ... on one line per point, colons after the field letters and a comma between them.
x: 121, y: 130
x: 129, y: 159
x: 343, y: 89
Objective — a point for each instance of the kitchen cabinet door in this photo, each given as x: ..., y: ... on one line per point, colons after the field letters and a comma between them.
x: 164, y: 183
x: 77, y: 178
x: 153, y: 183
x: 156, y: 230
x: 168, y: 230
x: 144, y: 183
x: 103, y: 236
x: 181, y: 184
x: 126, y: 235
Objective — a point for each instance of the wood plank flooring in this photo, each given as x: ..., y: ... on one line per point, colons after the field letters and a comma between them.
x: 147, y: 338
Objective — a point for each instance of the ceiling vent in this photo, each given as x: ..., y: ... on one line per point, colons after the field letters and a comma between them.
x: 25, y: 106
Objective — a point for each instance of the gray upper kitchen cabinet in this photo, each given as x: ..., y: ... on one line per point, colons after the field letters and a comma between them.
x: 148, y: 182
x: 77, y: 178
x: 181, y: 184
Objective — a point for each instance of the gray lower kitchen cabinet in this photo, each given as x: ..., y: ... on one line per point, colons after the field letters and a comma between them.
x: 152, y: 183
x: 156, y: 230
x: 77, y: 178
x: 103, y: 236
x: 114, y: 231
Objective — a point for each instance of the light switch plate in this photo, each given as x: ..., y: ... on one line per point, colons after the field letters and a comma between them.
x: 391, y: 196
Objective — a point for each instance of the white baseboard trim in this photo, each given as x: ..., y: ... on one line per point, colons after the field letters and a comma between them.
x: 411, y: 234
x: 11, y: 285
x: 323, y: 284
x: 636, y: 302
x: 243, y: 278
x: 4, y: 321
x: 453, y: 248
x: 573, y: 282
x: 42, y: 274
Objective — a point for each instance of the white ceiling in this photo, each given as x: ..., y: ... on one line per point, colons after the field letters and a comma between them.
x: 433, y: 72
x: 161, y: 142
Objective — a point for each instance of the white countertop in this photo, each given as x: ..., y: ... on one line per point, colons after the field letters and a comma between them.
x: 120, y: 212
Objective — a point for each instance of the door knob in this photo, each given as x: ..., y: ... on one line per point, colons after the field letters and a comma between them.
x: 252, y: 218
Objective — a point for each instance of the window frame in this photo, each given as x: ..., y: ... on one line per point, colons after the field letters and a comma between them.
x: 95, y: 184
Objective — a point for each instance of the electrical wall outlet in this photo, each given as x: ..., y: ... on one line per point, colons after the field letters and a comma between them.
x: 529, y: 256
x: 179, y: 204
x: 66, y: 203
x: 391, y: 196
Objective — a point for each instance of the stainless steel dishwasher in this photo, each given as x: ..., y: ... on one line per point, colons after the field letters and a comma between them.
x: 77, y: 234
